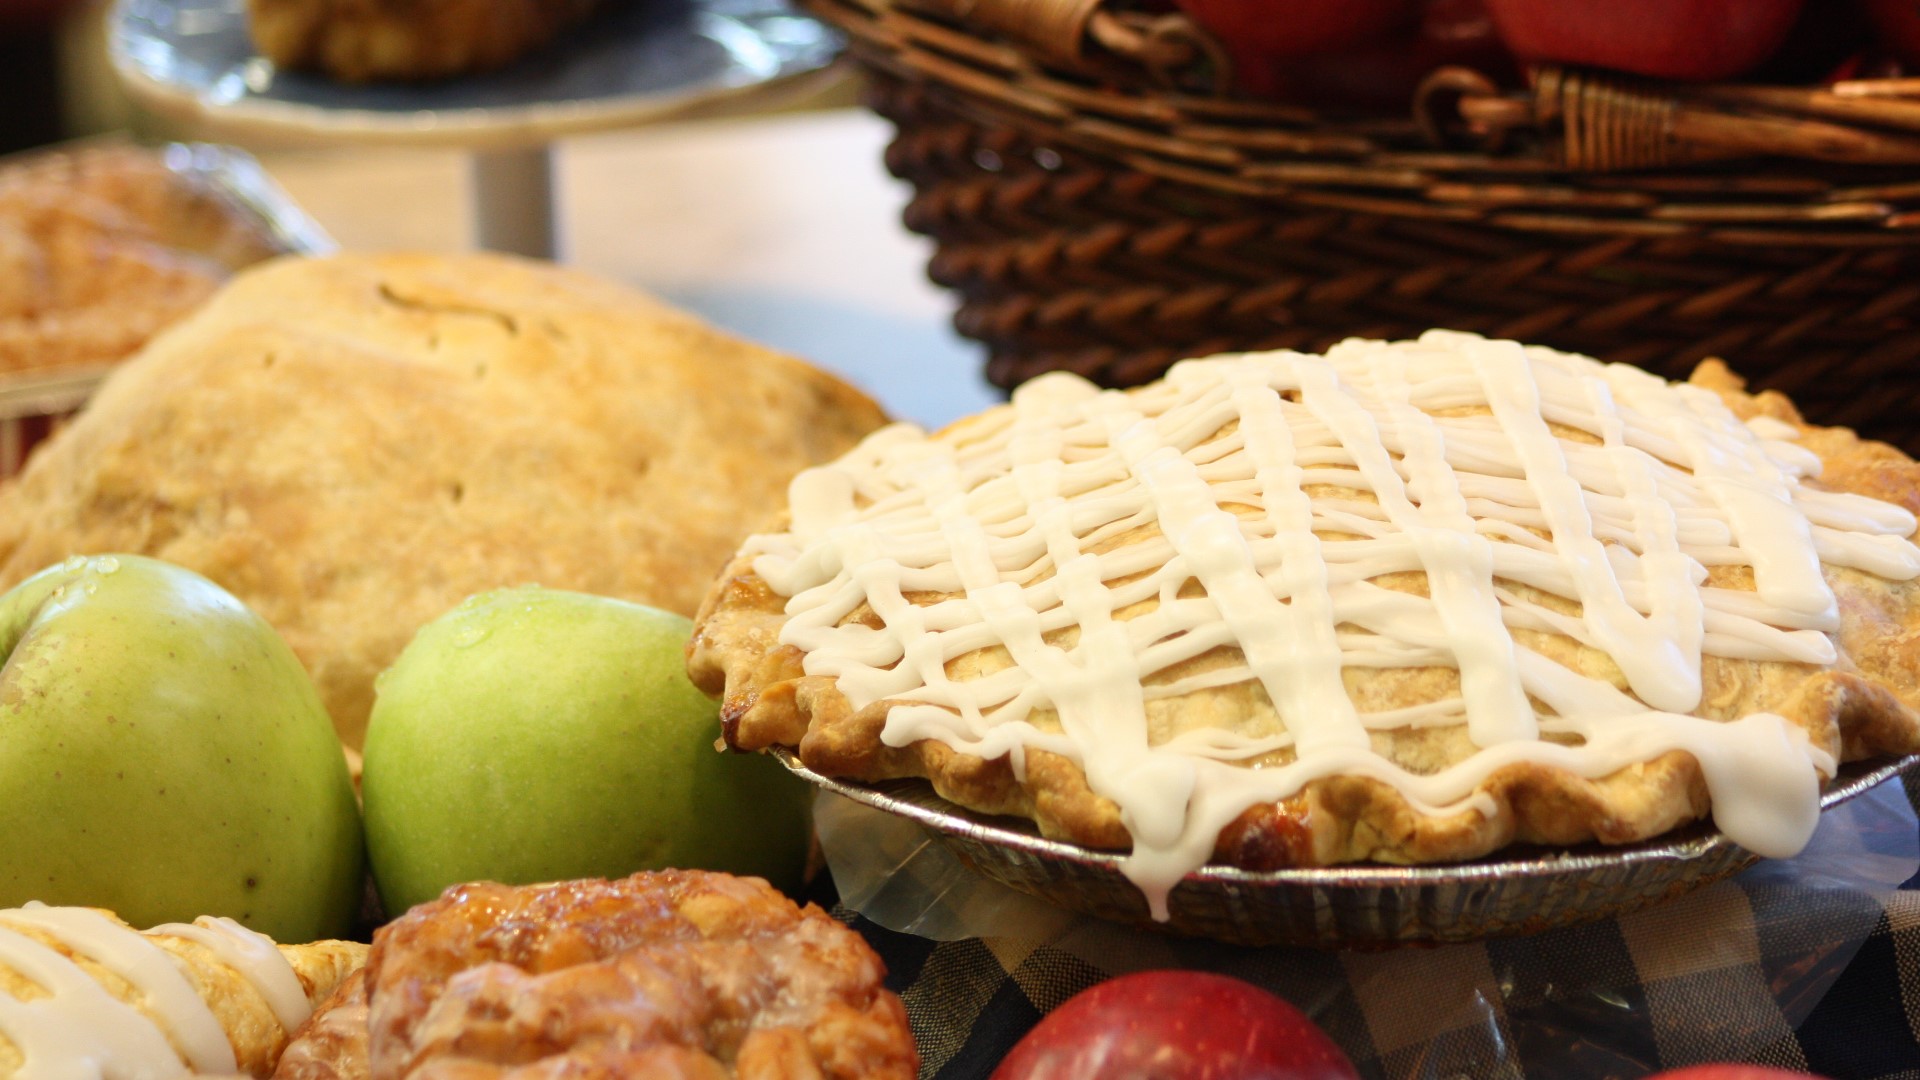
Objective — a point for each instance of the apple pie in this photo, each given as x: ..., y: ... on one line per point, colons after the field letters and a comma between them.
x: 1403, y: 602
x: 675, y: 973
x: 102, y: 248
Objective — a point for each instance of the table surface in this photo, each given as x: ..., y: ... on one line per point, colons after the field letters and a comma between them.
x: 784, y: 229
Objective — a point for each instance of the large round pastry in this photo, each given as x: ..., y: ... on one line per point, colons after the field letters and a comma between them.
x: 351, y: 445
x: 1404, y: 602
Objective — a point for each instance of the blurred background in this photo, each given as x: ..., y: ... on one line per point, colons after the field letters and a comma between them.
x: 53, y: 73
x: 56, y: 82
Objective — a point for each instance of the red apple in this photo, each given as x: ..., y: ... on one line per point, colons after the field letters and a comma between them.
x: 1257, y: 32
x: 1732, y: 1073
x: 1830, y: 40
x: 1899, y: 24
x: 1382, y: 74
x: 1175, y: 1025
x: 1296, y: 27
x: 1694, y: 40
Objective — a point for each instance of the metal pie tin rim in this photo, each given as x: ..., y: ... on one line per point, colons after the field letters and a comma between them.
x: 1687, y: 844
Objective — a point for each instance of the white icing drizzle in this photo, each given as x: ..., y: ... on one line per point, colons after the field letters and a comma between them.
x: 79, y: 1031
x: 1047, y: 524
x: 255, y: 957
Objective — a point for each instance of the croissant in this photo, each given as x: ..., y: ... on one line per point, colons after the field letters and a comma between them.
x: 82, y: 994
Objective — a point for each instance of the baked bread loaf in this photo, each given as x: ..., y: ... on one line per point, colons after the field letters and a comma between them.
x: 100, y: 249
x: 351, y: 445
x: 664, y: 974
x: 81, y: 993
x: 1405, y: 602
x: 365, y: 40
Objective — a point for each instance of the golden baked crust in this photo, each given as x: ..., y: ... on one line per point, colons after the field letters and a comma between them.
x: 100, y: 249
x: 1863, y: 705
x: 351, y: 445
x: 667, y: 974
x: 363, y: 40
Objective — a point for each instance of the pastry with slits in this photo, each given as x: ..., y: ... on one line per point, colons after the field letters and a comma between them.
x: 1405, y: 602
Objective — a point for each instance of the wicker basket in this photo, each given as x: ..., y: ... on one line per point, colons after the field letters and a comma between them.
x: 1097, y: 210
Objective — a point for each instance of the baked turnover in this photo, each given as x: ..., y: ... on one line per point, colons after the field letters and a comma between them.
x: 1404, y: 602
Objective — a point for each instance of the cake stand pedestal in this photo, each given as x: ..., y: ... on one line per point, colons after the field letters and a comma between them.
x: 513, y: 207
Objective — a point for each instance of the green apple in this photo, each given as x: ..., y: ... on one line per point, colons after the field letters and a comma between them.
x: 535, y: 735
x: 163, y: 754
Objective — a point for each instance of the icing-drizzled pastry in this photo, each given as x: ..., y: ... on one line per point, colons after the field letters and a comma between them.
x: 1404, y: 602
x: 676, y: 973
x: 82, y: 994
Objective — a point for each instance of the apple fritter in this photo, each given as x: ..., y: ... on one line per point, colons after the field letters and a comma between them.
x: 662, y: 974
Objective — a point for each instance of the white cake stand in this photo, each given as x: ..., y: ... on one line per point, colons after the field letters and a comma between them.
x: 641, y: 62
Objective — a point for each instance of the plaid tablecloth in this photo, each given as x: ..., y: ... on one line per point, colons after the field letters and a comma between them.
x: 1813, y: 966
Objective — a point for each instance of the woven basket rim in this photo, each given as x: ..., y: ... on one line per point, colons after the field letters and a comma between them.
x: 1374, y: 164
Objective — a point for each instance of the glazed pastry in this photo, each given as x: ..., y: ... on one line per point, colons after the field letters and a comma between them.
x: 663, y: 974
x: 353, y: 445
x: 83, y: 993
x: 332, y: 1045
x: 1404, y: 602
x: 363, y: 40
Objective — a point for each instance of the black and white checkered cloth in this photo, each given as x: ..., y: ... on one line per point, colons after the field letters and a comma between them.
x: 1811, y: 964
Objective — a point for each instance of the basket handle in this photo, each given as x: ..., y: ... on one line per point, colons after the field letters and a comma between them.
x: 1053, y: 29
x: 1607, y: 123
x: 1069, y: 33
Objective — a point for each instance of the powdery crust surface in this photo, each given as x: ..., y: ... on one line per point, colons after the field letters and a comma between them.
x: 1862, y: 707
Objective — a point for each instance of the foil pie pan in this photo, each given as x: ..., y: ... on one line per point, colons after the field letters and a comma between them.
x: 1518, y: 891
